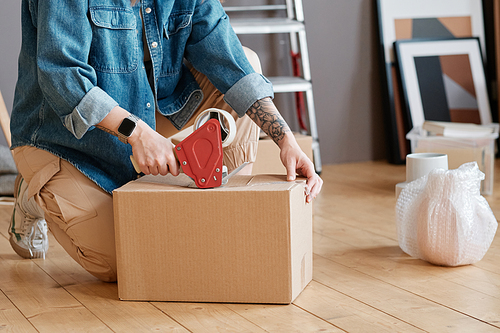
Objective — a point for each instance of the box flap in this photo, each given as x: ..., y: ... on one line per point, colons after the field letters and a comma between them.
x: 236, y: 183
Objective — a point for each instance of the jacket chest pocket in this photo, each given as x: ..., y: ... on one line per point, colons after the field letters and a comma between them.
x: 175, y: 35
x: 114, y: 47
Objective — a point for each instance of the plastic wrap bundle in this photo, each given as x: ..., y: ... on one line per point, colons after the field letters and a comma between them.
x: 443, y: 219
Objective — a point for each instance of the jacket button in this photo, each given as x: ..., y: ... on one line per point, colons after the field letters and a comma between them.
x: 148, y: 105
x: 148, y: 10
x: 154, y: 45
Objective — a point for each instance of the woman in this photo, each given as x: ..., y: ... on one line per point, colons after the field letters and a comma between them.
x: 95, y: 79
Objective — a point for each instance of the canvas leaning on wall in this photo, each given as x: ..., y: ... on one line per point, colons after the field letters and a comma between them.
x: 443, y: 80
x: 410, y: 19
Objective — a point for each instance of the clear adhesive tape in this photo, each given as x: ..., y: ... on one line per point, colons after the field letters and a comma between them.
x: 231, y: 124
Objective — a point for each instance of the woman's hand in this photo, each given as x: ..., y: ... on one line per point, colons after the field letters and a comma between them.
x: 297, y: 162
x: 268, y: 118
x: 153, y: 153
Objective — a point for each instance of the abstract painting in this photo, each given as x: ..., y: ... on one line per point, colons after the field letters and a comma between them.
x: 411, y: 19
x: 443, y: 80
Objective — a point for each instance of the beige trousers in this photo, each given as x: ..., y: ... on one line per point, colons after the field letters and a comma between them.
x: 80, y: 214
x: 244, y: 146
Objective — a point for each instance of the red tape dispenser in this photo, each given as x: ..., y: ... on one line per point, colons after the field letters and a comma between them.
x: 200, y: 155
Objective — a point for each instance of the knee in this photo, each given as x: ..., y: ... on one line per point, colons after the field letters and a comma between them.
x: 98, y: 265
x: 253, y: 58
x: 111, y: 277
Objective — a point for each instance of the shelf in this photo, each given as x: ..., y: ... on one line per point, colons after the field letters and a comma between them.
x: 283, y: 84
x: 266, y: 25
x: 232, y: 9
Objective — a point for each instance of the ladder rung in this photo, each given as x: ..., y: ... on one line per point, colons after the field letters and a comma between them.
x: 266, y: 25
x: 254, y: 8
x: 292, y: 24
x: 283, y: 84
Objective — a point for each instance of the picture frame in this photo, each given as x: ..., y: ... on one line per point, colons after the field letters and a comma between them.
x: 408, y: 19
x: 443, y: 80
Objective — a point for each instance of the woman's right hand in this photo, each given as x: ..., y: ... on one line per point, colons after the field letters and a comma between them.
x: 153, y: 153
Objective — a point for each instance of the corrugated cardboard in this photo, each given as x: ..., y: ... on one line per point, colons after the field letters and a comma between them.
x: 247, y: 242
x: 268, y: 155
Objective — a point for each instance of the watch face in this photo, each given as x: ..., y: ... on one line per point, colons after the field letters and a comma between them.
x: 126, y: 127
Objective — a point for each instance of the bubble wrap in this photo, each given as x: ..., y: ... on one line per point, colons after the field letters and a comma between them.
x: 443, y: 219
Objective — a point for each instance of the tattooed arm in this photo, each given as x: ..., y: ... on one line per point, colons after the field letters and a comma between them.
x: 267, y: 117
x: 265, y: 114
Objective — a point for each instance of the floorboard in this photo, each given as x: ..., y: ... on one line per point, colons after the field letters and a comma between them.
x: 362, y: 281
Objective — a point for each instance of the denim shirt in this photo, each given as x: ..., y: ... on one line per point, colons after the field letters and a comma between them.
x: 79, y: 59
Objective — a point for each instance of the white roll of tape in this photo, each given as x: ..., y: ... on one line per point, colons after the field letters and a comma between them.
x: 231, y: 124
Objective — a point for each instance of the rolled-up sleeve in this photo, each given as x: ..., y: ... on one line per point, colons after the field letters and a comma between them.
x: 68, y: 82
x: 79, y: 121
x: 244, y: 93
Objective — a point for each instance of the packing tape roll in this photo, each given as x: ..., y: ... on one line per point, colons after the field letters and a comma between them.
x: 205, y: 116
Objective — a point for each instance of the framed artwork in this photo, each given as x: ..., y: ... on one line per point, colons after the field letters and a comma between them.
x: 443, y: 80
x: 410, y: 19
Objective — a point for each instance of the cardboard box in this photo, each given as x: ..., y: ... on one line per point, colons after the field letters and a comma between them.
x: 268, y: 155
x: 247, y: 242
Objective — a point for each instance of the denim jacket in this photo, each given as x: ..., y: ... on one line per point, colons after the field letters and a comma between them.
x: 79, y: 59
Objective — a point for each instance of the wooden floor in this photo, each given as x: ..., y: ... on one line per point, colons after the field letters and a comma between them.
x: 362, y: 281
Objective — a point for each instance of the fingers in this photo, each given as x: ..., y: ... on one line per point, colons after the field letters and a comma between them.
x: 313, y: 187
x: 153, y: 170
x: 160, y: 166
x: 173, y: 165
x: 314, y: 182
x: 163, y: 169
x: 155, y: 156
x: 305, y: 168
x: 291, y: 170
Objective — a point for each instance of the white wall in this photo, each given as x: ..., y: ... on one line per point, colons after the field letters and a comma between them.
x: 342, y: 39
x: 10, y: 44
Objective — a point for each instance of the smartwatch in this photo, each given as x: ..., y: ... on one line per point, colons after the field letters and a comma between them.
x: 127, y: 127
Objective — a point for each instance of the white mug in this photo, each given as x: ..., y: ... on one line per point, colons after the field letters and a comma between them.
x: 419, y: 165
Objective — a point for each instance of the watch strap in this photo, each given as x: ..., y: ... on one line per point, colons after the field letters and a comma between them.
x: 121, y: 136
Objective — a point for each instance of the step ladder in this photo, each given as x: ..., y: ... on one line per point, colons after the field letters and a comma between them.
x: 289, y: 20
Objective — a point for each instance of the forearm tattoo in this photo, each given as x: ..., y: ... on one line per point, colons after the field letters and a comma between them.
x: 266, y: 116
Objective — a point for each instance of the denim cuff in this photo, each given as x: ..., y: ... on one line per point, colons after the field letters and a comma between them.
x: 93, y: 107
x: 247, y: 91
